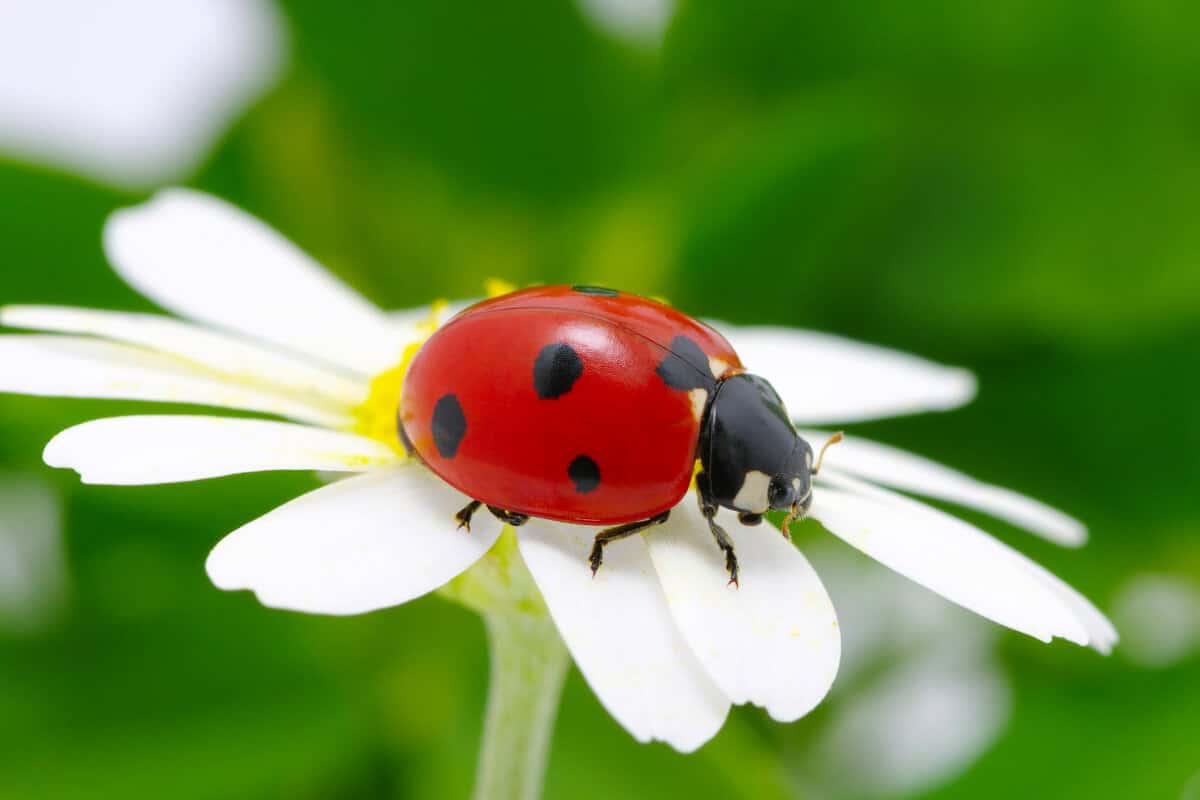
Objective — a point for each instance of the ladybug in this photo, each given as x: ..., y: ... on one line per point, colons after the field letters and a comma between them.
x: 591, y: 406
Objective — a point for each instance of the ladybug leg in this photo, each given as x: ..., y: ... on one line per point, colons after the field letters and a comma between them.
x: 726, y: 545
x: 610, y: 535
x: 509, y: 517
x: 709, y: 509
x: 464, y: 516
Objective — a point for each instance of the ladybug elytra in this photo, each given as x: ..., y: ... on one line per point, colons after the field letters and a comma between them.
x: 591, y: 406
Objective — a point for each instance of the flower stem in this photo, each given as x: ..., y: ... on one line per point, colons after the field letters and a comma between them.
x: 528, y: 664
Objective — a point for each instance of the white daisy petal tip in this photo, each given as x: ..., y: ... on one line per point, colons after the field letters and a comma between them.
x: 61, y: 453
x: 620, y: 633
x: 225, y: 573
x: 166, y: 448
x: 57, y: 454
x: 1099, y: 632
x: 773, y: 641
x: 182, y: 249
x: 53, y: 454
x: 362, y: 544
x: 1105, y: 647
x: 1070, y: 532
x: 961, y: 387
x: 954, y: 559
x: 223, y: 567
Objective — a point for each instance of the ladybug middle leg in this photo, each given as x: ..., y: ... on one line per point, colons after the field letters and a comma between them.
x: 507, y: 517
x: 610, y: 535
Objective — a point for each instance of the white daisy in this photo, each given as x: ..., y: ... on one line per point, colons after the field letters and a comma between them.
x: 920, y: 696
x: 641, y: 21
x: 663, y: 641
x: 131, y: 92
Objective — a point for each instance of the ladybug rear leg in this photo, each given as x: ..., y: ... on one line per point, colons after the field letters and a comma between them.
x: 610, y: 535
x: 464, y: 516
x: 708, y: 508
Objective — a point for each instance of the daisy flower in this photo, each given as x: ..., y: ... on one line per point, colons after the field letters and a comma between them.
x: 921, y: 692
x: 661, y: 638
x: 132, y: 93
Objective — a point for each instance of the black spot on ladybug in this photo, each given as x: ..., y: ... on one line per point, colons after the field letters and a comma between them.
x: 686, y: 366
x: 686, y: 348
x: 596, y: 290
x: 555, y: 370
x: 584, y: 473
x: 449, y: 425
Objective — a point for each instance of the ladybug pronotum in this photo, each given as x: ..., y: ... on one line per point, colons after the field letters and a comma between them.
x: 591, y: 406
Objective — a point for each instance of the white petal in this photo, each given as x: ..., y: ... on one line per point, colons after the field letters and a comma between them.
x: 774, y: 641
x: 636, y: 20
x: 896, y: 468
x: 202, y: 258
x: 132, y: 92
x: 826, y: 379
x: 884, y: 615
x: 621, y: 635
x: 218, y: 352
x: 361, y: 544
x: 1102, y: 635
x: 938, y: 481
x: 167, y: 449
x: 68, y: 366
x: 946, y: 555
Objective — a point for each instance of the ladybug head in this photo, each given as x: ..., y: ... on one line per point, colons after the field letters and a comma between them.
x: 752, y: 457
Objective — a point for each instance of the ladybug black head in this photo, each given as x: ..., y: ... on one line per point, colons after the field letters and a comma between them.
x: 752, y: 457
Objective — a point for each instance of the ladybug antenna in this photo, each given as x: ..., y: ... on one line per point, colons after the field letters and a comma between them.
x: 837, y: 437
x: 797, y: 510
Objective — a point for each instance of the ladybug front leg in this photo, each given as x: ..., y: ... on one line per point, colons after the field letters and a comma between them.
x: 610, y: 535
x: 708, y: 507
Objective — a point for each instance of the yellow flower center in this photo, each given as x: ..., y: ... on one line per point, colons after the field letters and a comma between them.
x: 378, y: 417
x: 494, y: 287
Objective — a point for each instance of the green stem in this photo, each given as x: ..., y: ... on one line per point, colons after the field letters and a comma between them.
x: 529, y: 663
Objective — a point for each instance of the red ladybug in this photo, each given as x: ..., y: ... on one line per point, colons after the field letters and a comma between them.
x: 591, y: 406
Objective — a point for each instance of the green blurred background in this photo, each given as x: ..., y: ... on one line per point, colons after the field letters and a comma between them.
x: 1012, y: 187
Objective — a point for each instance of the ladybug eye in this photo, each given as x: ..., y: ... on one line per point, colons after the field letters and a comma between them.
x: 781, y: 494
